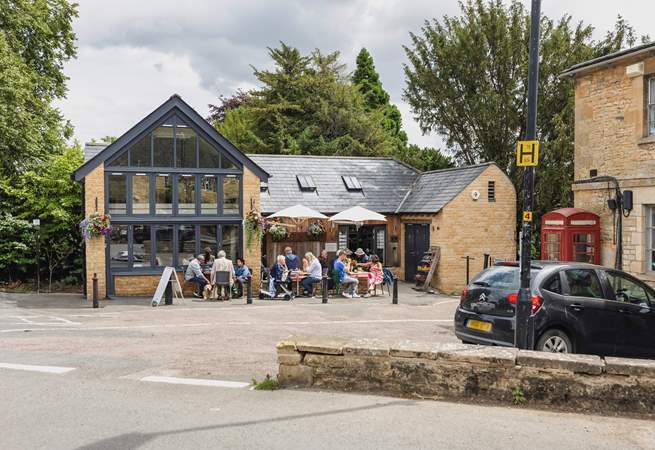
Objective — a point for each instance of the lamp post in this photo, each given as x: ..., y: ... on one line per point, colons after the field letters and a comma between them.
x: 524, y: 336
x: 37, y: 224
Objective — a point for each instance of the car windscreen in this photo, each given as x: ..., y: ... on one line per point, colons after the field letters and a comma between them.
x: 501, y: 277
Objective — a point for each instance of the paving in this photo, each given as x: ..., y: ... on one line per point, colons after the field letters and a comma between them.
x: 131, y: 376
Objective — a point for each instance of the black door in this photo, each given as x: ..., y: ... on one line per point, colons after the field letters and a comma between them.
x: 417, y: 242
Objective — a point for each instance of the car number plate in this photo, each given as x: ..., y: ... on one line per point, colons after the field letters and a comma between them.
x: 479, y: 325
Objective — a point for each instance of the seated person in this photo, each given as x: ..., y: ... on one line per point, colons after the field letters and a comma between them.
x: 375, y: 276
x: 323, y: 258
x: 222, y: 264
x: 279, y: 276
x: 344, y: 276
x: 209, y: 256
x: 241, y: 274
x: 194, y: 274
x: 314, y: 274
x: 291, y: 260
x: 361, y: 257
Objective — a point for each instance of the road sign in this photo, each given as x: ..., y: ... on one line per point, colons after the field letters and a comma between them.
x: 527, y: 216
x: 527, y: 153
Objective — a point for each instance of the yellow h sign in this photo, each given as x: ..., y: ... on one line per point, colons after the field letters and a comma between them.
x: 527, y: 153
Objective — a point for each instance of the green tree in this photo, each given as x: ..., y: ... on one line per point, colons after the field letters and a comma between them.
x: 305, y: 105
x: 467, y: 81
x: 36, y: 38
x: 16, y: 246
x: 48, y: 193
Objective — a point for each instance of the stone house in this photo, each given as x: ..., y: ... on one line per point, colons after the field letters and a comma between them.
x: 615, y: 136
x: 174, y: 186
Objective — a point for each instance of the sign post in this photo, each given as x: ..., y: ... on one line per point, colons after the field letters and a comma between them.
x: 37, y: 224
x: 527, y: 155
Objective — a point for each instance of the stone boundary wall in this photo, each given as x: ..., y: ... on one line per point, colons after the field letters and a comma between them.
x: 469, y: 372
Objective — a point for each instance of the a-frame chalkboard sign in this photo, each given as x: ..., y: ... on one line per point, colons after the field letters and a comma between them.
x: 169, y: 275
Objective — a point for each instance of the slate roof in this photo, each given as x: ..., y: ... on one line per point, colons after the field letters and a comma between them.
x: 648, y: 47
x: 90, y: 150
x: 433, y: 190
x: 385, y: 182
x: 389, y: 186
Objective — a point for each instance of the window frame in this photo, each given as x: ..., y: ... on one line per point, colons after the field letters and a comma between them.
x: 602, y: 282
x: 650, y: 107
x: 650, y: 242
x: 306, y: 183
x: 352, y: 183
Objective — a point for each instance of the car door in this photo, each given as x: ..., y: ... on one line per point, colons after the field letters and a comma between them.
x: 590, y: 312
x: 631, y: 298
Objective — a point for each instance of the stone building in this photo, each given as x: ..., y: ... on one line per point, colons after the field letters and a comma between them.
x: 615, y: 136
x: 174, y: 186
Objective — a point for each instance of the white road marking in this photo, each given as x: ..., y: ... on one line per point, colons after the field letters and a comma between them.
x: 196, y: 382
x: 32, y: 368
x: 214, y: 324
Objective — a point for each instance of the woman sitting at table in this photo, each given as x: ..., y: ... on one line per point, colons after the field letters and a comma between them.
x: 375, y: 276
x: 279, y: 275
x: 314, y: 274
x: 241, y: 273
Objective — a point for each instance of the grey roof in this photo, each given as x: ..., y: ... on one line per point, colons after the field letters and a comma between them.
x: 389, y: 186
x: 650, y: 46
x: 385, y: 182
x: 92, y: 149
x: 433, y: 190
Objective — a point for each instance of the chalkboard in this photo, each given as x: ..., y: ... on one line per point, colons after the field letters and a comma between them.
x: 168, y: 274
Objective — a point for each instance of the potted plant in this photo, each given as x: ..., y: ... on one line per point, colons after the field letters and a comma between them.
x: 315, y: 230
x: 254, y: 225
x: 96, y: 225
x: 277, y: 231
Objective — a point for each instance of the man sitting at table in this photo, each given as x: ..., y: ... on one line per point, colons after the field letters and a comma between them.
x: 361, y: 257
x: 314, y: 274
x: 292, y: 261
x: 194, y: 274
x: 222, y: 264
x: 344, y: 277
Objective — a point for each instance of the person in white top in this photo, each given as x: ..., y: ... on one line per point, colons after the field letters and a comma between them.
x: 222, y: 264
x: 314, y: 274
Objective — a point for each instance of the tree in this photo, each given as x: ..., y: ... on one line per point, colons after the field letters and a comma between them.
x: 48, y: 193
x: 16, y: 249
x: 467, y: 81
x: 306, y: 105
x: 217, y: 112
x: 36, y: 39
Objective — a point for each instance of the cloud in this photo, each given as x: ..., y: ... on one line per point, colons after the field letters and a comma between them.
x: 134, y: 54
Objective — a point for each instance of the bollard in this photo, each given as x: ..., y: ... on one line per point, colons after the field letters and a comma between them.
x: 324, y: 290
x: 394, y: 299
x: 249, y: 291
x: 168, y: 293
x: 95, y: 290
x: 468, y: 265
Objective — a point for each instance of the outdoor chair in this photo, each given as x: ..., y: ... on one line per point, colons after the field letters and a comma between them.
x: 336, y: 283
x: 222, y: 284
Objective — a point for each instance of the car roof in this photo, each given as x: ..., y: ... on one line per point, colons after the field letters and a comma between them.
x: 539, y: 264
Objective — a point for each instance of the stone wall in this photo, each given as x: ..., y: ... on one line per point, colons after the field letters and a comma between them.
x: 469, y: 372
x: 145, y: 285
x: 94, y: 201
x: 611, y: 136
x: 470, y: 227
x: 253, y: 252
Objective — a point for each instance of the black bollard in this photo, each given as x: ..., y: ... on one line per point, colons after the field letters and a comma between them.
x: 249, y: 291
x: 324, y: 290
x: 168, y: 293
x: 95, y: 291
x: 394, y: 299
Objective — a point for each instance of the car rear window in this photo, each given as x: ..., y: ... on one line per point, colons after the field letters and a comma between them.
x: 501, y: 277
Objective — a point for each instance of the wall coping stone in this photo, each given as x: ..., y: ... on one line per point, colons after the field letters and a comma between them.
x: 630, y: 367
x: 476, y: 354
x: 366, y: 347
x: 319, y: 344
x: 590, y: 364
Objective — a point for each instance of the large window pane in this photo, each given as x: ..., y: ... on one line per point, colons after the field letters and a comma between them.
x: 140, y: 194
x: 186, y: 194
x: 208, y: 240
x: 231, y: 195
x: 121, y: 161
x: 117, y: 193
x: 185, y: 147
x: 226, y: 163
x: 164, y: 245
x: 186, y: 244
x: 163, y: 194
x: 141, y: 245
x: 140, y: 153
x: 209, y: 156
x: 230, y: 241
x: 162, y: 146
x: 583, y: 283
x: 118, y: 247
x: 208, y: 195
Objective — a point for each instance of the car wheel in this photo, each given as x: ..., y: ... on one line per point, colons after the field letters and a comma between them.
x: 555, y: 341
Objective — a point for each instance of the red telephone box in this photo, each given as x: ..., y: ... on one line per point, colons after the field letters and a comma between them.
x: 570, y: 234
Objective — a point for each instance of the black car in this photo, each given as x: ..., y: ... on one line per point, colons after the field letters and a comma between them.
x: 576, y: 307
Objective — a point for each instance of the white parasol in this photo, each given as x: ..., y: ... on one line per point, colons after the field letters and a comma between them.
x: 298, y: 212
x: 356, y: 216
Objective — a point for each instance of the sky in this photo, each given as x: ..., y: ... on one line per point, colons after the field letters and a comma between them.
x: 133, y: 55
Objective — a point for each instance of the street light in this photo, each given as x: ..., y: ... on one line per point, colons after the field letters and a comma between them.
x: 37, y: 224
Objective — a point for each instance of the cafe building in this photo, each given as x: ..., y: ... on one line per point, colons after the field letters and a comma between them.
x: 174, y: 186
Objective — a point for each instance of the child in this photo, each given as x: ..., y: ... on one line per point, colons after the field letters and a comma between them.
x: 375, y: 276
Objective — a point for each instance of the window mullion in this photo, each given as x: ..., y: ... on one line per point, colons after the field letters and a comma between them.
x: 219, y: 193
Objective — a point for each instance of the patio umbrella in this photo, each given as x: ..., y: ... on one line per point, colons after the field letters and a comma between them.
x: 356, y: 216
x: 298, y: 212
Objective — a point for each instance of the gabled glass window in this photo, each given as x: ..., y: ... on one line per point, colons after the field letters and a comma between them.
x: 306, y: 183
x: 186, y: 194
x: 121, y: 161
x: 141, y: 245
x: 209, y: 194
x: 163, y: 245
x: 140, y: 193
x: 231, y: 195
x: 140, y: 155
x: 162, y: 146
x: 163, y: 194
x: 185, y: 147
x: 117, y: 195
x: 226, y: 163
x: 186, y: 244
x: 210, y: 158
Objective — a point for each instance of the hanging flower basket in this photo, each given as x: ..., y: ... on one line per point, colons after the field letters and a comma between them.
x: 277, y: 231
x: 315, y: 230
x: 254, y: 225
x: 96, y: 225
